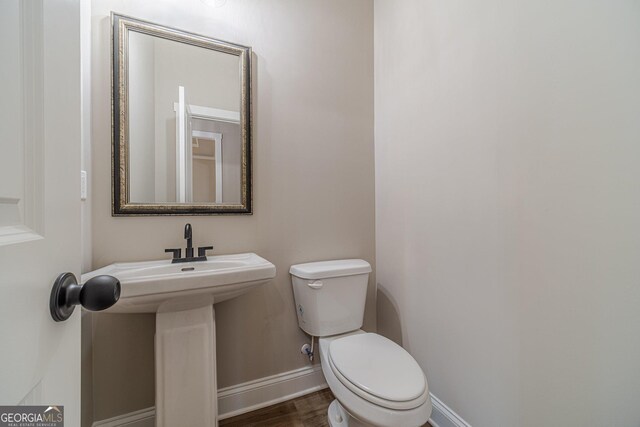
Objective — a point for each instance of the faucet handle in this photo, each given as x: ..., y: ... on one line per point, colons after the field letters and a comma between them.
x: 177, y: 253
x: 202, y: 250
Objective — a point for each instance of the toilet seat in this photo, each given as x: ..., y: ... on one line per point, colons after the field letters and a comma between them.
x: 378, y: 370
x: 363, y: 409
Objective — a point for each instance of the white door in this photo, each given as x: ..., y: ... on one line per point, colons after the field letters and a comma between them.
x: 39, y: 200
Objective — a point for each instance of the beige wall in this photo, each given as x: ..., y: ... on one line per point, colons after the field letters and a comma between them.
x: 508, y: 204
x: 123, y: 364
x: 313, y: 180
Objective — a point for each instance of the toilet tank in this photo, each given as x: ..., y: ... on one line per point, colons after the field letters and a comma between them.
x: 330, y: 295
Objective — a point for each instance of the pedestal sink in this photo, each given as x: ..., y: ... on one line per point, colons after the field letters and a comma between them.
x: 182, y: 295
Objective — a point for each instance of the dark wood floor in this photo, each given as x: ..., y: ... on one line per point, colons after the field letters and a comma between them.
x: 305, y: 411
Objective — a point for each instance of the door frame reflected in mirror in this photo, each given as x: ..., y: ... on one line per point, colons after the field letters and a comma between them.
x: 184, y: 186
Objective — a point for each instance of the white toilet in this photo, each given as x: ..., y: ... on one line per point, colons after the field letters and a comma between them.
x: 375, y: 381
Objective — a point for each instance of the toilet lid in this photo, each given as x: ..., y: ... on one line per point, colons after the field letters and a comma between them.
x: 378, y: 366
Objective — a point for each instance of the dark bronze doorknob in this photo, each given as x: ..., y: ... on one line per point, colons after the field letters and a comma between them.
x: 99, y: 293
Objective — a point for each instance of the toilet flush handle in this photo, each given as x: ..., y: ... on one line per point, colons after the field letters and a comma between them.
x: 315, y: 284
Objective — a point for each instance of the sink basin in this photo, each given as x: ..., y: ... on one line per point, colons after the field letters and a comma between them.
x: 152, y: 286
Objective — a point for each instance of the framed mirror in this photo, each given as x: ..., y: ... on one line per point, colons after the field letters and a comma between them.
x: 181, y: 122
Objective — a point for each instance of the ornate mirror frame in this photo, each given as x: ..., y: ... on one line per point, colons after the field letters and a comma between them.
x: 121, y: 204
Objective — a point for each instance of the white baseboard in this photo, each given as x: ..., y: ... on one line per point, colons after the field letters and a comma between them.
x: 443, y: 416
x: 241, y: 398
x: 252, y: 395
x: 257, y: 394
x: 142, y: 418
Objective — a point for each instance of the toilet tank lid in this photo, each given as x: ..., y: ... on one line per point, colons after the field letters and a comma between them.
x: 327, y: 269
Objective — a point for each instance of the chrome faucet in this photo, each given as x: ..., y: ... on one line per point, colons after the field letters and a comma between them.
x: 177, y: 253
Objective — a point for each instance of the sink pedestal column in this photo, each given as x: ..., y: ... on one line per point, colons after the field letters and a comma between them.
x: 186, y: 389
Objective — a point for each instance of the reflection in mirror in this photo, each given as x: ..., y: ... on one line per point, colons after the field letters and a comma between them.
x: 185, y: 123
x: 182, y: 142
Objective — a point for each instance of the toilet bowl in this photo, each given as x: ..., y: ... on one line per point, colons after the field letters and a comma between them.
x: 375, y: 381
